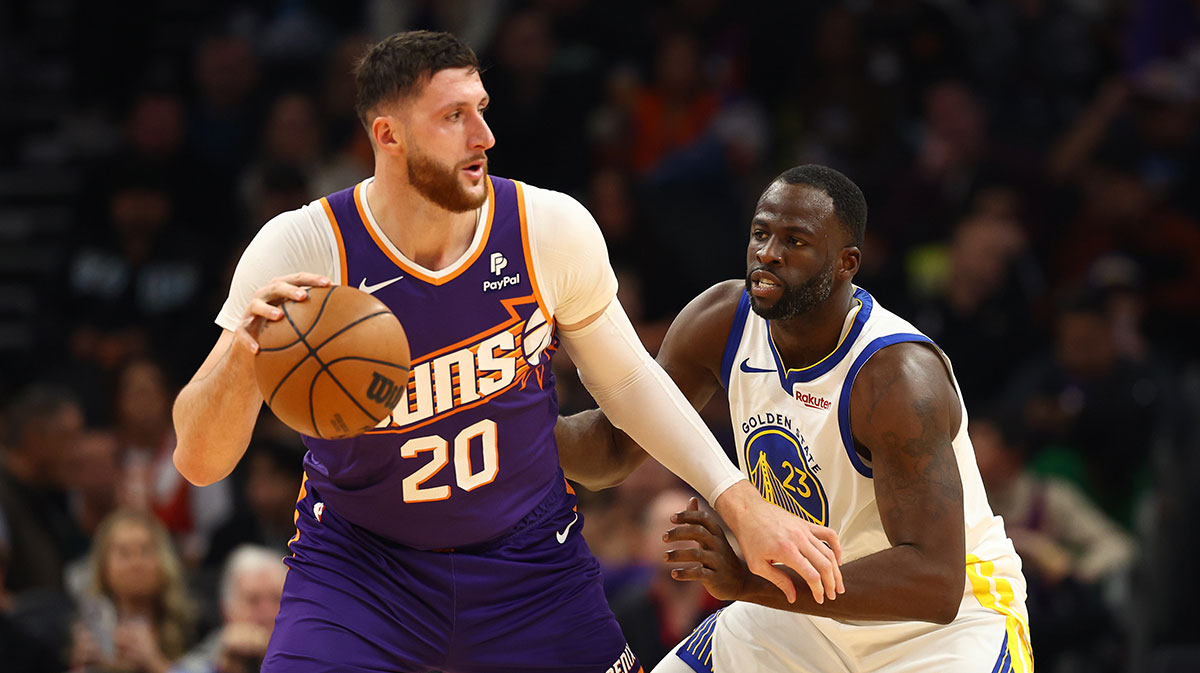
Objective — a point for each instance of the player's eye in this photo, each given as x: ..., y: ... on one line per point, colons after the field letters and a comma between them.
x: 453, y: 116
x: 758, y: 235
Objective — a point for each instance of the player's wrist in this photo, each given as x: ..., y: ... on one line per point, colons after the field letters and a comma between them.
x: 735, y: 502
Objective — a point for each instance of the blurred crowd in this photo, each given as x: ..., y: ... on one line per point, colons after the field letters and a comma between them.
x: 1031, y: 167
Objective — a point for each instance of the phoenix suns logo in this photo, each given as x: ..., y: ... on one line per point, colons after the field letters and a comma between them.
x: 778, y: 464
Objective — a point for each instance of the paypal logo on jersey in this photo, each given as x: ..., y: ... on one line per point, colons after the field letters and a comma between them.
x: 499, y: 262
x: 777, y: 462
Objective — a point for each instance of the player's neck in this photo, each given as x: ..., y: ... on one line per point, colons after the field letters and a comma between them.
x: 807, y: 339
x: 424, y: 232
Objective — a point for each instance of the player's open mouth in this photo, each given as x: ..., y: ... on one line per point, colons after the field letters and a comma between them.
x: 765, y: 285
x: 475, y: 170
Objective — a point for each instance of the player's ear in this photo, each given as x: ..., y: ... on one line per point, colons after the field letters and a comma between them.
x: 849, y: 261
x: 387, y: 134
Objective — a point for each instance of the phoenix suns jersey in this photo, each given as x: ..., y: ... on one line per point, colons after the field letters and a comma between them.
x: 793, y: 440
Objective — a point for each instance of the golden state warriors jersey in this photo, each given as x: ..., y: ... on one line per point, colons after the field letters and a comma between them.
x: 793, y: 440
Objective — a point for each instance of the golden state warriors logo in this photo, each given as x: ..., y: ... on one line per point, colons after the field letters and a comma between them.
x: 778, y: 466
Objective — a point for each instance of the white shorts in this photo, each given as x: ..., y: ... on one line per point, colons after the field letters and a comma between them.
x: 990, y: 635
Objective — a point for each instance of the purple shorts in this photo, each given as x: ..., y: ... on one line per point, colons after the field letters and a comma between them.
x: 529, y: 601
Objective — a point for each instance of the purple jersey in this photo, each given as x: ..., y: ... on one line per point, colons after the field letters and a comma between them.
x: 469, y: 449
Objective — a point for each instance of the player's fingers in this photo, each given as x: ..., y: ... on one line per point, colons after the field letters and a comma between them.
x: 829, y: 537
x: 821, y: 559
x: 263, y: 309
x: 303, y: 278
x: 280, y: 291
x: 690, y: 533
x: 782, y: 581
x: 700, y: 518
x: 689, y: 574
x: 839, y: 586
x: 244, y: 334
x: 685, y: 555
x: 806, y: 568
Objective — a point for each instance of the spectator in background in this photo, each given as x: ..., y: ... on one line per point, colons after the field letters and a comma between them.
x: 95, y: 475
x: 540, y: 103
x: 675, y: 111
x: 1092, y: 414
x: 1122, y: 211
x: 293, y: 136
x: 225, y: 71
x: 271, y: 471
x: 1074, y: 557
x: 251, y: 588
x: 136, y: 574
x: 44, y: 427
x: 150, y: 481
x: 978, y: 302
x: 20, y: 650
x: 131, y: 287
x: 656, y: 612
x: 137, y: 614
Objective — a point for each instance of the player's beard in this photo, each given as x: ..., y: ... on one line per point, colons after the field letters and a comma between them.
x: 798, y: 300
x: 441, y: 185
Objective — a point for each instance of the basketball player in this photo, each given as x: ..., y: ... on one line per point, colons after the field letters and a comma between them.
x: 447, y: 538
x: 844, y: 416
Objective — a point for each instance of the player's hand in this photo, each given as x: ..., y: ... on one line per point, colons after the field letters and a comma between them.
x: 264, y: 305
x: 720, y: 569
x: 769, y: 535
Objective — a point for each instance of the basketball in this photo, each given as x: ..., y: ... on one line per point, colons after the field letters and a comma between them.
x: 335, y: 365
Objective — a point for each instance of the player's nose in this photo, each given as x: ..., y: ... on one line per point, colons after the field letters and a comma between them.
x: 481, y: 137
x: 769, y: 252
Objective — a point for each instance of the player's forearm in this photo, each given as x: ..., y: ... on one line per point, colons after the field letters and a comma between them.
x: 897, y: 584
x: 593, y: 452
x: 639, y: 398
x: 214, y: 418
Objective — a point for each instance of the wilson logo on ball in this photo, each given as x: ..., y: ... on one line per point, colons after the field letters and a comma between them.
x: 384, y: 390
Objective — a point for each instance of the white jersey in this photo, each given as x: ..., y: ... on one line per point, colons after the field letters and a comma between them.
x: 792, y: 432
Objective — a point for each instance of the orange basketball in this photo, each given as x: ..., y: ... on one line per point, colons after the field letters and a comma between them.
x: 335, y: 365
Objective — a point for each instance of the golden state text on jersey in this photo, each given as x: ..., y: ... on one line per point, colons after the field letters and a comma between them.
x: 780, y: 466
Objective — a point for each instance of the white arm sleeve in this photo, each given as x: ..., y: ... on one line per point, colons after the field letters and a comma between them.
x: 570, y: 257
x: 638, y: 397
x: 298, y: 240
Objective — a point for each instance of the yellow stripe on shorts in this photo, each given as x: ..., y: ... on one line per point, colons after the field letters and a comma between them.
x: 996, y: 593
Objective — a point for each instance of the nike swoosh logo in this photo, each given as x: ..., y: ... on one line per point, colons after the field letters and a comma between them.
x: 370, y: 289
x: 745, y: 366
x: 562, y: 536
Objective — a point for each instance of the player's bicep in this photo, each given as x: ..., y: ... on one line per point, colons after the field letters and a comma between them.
x: 904, y: 410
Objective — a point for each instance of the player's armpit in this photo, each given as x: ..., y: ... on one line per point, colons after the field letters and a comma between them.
x: 905, y: 411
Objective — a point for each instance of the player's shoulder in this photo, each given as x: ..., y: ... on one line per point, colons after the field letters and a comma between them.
x: 715, y: 307
x: 308, y: 217
x: 700, y: 330
x: 553, y: 206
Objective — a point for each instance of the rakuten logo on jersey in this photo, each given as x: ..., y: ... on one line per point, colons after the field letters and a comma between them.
x: 812, y: 401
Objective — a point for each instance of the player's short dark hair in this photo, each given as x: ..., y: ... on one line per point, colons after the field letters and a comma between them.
x: 849, y: 204
x: 400, y: 64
